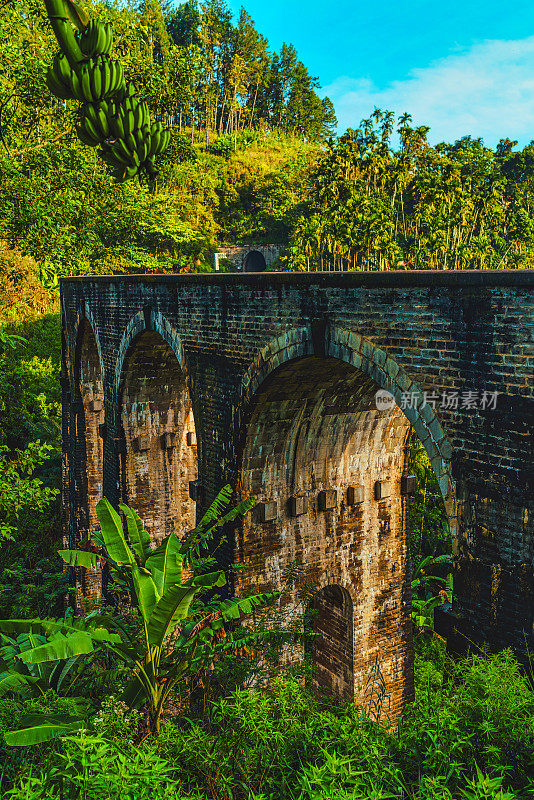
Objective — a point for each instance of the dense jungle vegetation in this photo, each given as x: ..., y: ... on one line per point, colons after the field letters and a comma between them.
x: 253, y: 157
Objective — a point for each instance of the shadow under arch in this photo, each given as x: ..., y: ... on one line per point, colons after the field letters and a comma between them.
x: 83, y: 317
x: 159, y: 452
x: 146, y: 320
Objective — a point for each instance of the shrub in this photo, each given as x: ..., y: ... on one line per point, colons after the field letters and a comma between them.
x: 15, y: 760
x: 93, y: 768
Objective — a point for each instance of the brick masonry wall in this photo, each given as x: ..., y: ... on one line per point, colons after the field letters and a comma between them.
x: 404, y: 332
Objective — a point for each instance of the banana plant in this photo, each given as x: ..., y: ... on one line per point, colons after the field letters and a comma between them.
x: 156, y: 582
x: 40, y: 654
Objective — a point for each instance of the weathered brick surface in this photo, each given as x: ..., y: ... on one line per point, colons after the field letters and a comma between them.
x: 280, y: 370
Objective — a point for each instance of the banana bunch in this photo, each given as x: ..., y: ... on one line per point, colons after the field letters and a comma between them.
x: 96, y: 39
x: 136, y: 142
x: 94, y: 127
x: 89, y: 82
x: 99, y: 78
x: 112, y: 117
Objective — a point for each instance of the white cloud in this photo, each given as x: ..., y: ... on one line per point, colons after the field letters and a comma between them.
x: 485, y: 91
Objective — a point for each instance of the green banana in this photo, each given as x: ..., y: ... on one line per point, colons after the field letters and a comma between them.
x: 142, y: 151
x: 85, y: 83
x: 154, y: 143
x: 129, y: 121
x: 117, y: 128
x: 96, y: 83
x: 105, y: 71
x: 56, y: 86
x: 130, y: 142
x: 76, y: 87
x: 85, y: 137
x: 91, y: 129
x: 103, y: 123
x: 121, y: 150
x: 96, y: 39
x: 119, y: 77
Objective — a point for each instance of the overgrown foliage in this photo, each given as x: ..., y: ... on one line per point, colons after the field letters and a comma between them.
x: 416, y: 206
x: 469, y: 735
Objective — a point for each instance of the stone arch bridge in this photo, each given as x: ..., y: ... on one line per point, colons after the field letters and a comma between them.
x: 175, y: 385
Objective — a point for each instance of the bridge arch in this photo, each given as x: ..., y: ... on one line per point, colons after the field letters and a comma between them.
x: 359, y: 351
x: 157, y: 428
x: 326, y: 465
x: 147, y: 319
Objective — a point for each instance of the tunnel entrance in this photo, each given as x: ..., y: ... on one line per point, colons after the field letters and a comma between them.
x: 254, y: 262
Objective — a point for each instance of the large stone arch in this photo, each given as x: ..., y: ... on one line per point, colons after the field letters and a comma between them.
x: 146, y: 320
x: 84, y: 316
x: 359, y: 351
x: 157, y: 429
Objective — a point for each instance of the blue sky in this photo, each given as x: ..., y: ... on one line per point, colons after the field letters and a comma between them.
x: 462, y: 68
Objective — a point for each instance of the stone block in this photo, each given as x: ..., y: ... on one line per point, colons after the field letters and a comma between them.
x: 382, y: 490
x: 298, y: 505
x: 168, y: 440
x: 326, y: 499
x: 355, y: 495
x: 268, y: 511
x: 408, y: 484
x: 142, y: 443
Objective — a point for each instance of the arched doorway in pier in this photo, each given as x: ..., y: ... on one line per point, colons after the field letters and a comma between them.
x: 332, y: 647
x: 159, y: 457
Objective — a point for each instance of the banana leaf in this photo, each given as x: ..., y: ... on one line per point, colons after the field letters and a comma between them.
x: 79, y: 558
x: 61, y: 670
x: 232, y: 608
x: 37, y: 728
x: 145, y: 589
x: 113, y: 535
x: 76, y: 14
x: 17, y: 626
x: 217, y: 507
x: 165, y: 564
x: 59, y: 647
x: 170, y: 609
x: 139, y: 538
x: 15, y: 682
